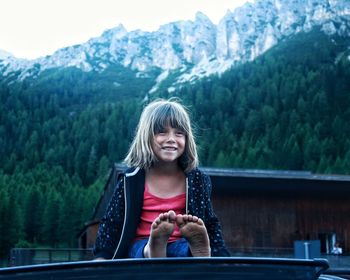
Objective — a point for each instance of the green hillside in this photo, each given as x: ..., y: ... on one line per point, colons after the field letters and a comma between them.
x: 289, y: 109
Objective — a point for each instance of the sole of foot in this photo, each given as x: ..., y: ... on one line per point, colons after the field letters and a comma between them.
x: 194, y: 231
x: 161, y: 229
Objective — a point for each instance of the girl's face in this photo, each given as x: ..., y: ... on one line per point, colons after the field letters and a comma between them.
x: 169, y: 144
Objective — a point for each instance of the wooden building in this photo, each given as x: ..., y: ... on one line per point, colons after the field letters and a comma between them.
x: 265, y: 210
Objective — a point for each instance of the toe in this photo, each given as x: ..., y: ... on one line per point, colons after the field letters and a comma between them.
x: 180, y: 220
x: 195, y: 219
x: 172, y: 216
x: 200, y: 222
x: 186, y: 218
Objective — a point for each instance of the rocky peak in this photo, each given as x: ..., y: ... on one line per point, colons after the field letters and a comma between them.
x: 198, y: 47
x: 5, y: 54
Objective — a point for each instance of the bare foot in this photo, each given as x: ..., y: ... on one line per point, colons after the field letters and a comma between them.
x: 193, y: 230
x: 161, y: 229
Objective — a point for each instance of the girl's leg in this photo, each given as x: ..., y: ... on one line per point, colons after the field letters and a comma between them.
x: 136, y: 250
x: 179, y: 248
x: 161, y: 229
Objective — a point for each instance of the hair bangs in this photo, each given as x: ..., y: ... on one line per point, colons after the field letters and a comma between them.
x: 170, y: 115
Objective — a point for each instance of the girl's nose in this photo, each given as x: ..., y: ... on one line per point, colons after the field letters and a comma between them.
x: 171, y: 136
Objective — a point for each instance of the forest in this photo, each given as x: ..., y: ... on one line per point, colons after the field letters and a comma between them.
x: 289, y: 109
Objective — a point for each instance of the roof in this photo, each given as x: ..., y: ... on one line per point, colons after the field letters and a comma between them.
x: 277, y: 182
x: 278, y: 174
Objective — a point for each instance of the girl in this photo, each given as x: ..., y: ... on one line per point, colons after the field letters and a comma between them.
x: 161, y: 206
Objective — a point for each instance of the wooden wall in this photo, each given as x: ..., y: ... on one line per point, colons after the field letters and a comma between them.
x: 272, y: 221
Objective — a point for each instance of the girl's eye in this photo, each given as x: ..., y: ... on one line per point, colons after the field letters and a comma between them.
x: 162, y: 132
x: 180, y: 133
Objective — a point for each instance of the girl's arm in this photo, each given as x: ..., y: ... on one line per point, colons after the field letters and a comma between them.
x: 111, y: 225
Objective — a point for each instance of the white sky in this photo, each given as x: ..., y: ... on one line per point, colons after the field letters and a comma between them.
x: 33, y: 28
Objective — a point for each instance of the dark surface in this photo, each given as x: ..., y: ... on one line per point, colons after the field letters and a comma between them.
x: 342, y: 273
x: 174, y: 268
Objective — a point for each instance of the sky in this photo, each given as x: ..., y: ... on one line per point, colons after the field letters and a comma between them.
x: 33, y: 28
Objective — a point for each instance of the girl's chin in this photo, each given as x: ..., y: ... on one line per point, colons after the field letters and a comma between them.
x: 167, y: 161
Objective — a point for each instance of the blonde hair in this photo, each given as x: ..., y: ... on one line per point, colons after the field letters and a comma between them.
x: 155, y: 117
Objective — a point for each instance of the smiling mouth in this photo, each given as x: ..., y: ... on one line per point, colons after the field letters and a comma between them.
x: 169, y: 148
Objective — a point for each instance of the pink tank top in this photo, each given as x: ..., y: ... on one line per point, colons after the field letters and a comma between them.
x: 153, y: 206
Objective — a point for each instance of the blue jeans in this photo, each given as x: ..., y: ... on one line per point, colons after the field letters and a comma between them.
x: 178, y: 248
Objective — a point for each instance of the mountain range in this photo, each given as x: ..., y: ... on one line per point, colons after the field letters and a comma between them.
x: 187, y: 50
